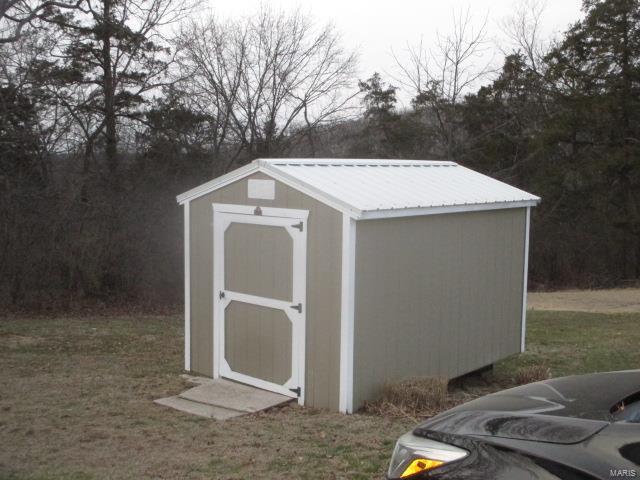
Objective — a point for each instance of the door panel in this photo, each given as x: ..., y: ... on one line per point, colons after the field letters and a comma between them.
x: 268, y: 333
x: 258, y: 260
x: 260, y: 297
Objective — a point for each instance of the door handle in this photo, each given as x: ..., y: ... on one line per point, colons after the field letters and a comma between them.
x: 297, y: 307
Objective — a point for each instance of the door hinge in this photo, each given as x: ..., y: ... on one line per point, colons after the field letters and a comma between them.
x: 297, y: 307
x: 296, y: 390
x: 221, y: 294
x: 299, y: 226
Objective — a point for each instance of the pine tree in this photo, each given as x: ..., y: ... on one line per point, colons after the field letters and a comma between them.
x: 595, y: 75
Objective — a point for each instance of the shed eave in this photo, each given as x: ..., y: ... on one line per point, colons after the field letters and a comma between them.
x: 434, y: 210
x: 217, y: 183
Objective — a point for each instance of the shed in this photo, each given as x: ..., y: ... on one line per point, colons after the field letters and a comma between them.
x: 323, y: 279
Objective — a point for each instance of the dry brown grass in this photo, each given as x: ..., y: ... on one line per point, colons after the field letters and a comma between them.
x: 412, y: 398
x: 424, y: 397
x: 531, y: 373
x: 617, y: 300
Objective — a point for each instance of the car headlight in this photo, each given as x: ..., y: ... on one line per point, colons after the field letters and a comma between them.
x: 414, y: 454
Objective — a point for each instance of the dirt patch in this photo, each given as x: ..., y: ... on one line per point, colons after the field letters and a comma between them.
x: 620, y: 300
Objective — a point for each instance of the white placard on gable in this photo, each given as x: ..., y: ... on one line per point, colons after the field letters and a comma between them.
x: 262, y: 189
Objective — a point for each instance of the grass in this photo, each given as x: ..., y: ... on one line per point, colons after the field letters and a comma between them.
x: 76, y: 403
x: 578, y: 342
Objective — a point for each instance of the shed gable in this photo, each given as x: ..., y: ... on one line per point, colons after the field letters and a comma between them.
x: 323, y: 282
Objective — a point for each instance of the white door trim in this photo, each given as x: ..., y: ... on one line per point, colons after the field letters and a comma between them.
x: 265, y: 211
x: 223, y: 216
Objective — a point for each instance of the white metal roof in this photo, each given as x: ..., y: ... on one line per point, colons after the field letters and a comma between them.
x: 383, y: 188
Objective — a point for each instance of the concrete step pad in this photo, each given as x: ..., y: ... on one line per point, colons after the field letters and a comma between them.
x: 234, y: 396
x: 200, y: 409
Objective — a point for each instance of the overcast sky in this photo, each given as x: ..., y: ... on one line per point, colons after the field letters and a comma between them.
x: 374, y: 27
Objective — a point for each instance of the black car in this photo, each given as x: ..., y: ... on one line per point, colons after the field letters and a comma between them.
x: 578, y: 427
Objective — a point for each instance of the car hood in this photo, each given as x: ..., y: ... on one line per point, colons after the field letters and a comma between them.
x: 534, y: 427
x: 561, y: 410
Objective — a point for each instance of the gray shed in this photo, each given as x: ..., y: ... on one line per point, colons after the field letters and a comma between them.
x: 323, y: 279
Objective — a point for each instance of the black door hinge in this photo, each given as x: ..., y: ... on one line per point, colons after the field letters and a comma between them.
x: 296, y: 390
x: 299, y: 226
x: 221, y: 295
x: 297, y: 307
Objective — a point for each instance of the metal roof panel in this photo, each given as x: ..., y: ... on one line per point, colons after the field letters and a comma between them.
x: 373, y: 188
x: 381, y: 185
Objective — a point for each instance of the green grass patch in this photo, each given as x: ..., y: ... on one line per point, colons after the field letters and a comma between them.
x: 572, y: 343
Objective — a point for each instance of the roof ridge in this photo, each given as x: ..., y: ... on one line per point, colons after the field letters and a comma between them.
x: 339, y: 162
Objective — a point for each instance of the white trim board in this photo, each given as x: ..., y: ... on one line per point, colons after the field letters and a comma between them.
x: 473, y: 207
x: 347, y: 313
x: 187, y: 289
x: 218, y: 285
x: 217, y: 183
x: 266, y: 211
x: 523, y: 332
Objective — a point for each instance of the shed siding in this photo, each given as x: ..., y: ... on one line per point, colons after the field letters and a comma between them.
x: 323, y: 284
x: 437, y: 295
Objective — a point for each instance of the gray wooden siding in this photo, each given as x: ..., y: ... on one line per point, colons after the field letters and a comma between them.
x: 437, y: 295
x: 324, y: 243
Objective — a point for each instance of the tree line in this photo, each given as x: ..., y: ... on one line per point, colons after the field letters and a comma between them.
x: 109, y: 108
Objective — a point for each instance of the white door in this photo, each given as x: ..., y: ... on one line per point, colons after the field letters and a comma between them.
x: 259, y: 270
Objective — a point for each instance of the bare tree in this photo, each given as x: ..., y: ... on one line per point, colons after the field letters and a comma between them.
x: 522, y: 29
x: 268, y: 79
x: 214, y: 54
x: 439, y: 78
